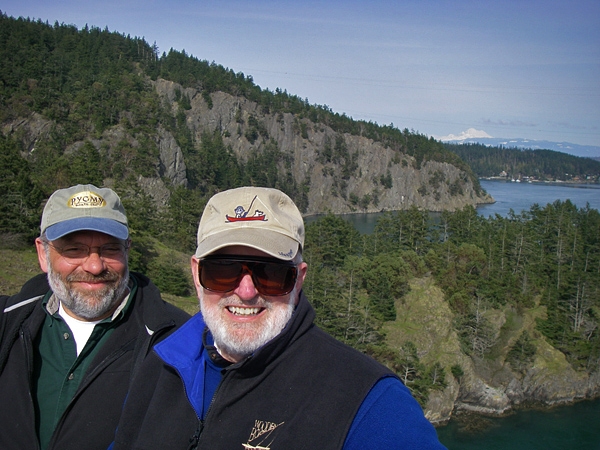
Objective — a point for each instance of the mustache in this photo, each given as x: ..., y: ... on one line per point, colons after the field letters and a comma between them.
x: 86, y: 278
x: 257, y: 302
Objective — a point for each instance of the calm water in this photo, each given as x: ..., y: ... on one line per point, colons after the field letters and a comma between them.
x: 575, y: 427
x: 518, y: 196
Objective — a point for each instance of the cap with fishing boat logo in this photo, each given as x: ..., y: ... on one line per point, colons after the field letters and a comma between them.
x: 265, y: 219
x: 84, y: 207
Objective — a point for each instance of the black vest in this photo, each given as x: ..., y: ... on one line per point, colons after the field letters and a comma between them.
x: 301, y: 391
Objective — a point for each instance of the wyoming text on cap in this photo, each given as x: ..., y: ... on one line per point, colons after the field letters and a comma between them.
x: 84, y: 207
x: 262, y: 218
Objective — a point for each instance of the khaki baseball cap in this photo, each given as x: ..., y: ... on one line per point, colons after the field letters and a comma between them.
x: 84, y: 207
x: 262, y: 218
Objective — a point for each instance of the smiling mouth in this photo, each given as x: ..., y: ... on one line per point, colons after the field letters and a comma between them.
x: 93, y: 283
x: 236, y: 310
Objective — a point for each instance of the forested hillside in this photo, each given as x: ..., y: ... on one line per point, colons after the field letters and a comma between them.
x: 519, y: 317
x: 476, y: 313
x: 169, y: 130
x: 543, y: 165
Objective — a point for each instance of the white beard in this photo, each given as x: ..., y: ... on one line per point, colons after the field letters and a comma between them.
x: 239, y: 340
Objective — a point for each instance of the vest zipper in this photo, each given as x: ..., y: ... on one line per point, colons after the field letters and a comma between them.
x: 212, y: 401
x: 196, y: 437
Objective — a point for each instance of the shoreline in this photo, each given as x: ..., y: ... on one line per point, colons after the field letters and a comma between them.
x: 473, y: 421
x: 573, y: 183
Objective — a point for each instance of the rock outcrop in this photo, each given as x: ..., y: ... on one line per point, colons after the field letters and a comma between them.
x: 489, y: 386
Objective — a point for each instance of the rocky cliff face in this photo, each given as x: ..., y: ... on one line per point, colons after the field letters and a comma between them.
x: 429, y: 187
x: 350, y: 180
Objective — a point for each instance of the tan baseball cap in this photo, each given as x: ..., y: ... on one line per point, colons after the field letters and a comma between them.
x: 84, y: 207
x: 262, y: 218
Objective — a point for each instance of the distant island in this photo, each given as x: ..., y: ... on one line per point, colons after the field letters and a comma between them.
x: 527, y: 164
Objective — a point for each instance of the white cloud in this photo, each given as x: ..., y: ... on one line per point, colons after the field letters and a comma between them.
x: 471, y: 133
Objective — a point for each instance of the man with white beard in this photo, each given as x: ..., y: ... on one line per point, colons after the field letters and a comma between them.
x: 71, y: 340
x: 251, y: 370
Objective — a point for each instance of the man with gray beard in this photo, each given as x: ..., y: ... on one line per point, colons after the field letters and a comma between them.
x: 72, y: 340
x: 251, y: 370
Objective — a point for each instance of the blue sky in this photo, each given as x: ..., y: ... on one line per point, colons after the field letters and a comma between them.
x: 527, y: 69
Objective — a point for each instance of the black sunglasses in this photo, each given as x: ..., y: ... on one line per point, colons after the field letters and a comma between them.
x: 223, y: 273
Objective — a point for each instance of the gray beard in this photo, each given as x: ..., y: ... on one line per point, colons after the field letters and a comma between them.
x: 91, y: 306
x: 242, y: 346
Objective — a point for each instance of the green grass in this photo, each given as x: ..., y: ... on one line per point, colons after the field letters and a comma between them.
x: 188, y: 304
x: 16, y: 267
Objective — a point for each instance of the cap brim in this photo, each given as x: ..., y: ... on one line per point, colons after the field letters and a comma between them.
x: 106, y: 226
x: 274, y: 244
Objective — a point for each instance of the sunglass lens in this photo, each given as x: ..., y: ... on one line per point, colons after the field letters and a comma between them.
x: 274, y: 279
x: 220, y: 276
x: 223, y: 275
